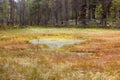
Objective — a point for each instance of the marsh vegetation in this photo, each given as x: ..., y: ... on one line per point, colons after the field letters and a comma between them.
x: 20, y: 60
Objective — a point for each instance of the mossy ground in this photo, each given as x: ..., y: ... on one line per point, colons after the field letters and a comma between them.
x: 20, y: 60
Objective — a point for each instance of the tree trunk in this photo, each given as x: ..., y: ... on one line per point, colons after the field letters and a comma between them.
x: 22, y: 13
x: 11, y: 12
x: 66, y: 12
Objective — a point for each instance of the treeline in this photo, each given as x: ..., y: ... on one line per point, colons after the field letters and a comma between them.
x: 58, y: 12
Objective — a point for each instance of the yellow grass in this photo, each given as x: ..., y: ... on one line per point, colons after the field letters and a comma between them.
x: 20, y: 60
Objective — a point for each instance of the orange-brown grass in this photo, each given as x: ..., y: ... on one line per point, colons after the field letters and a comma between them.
x: 20, y: 60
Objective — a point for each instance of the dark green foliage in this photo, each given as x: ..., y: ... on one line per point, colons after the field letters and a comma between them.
x: 58, y: 12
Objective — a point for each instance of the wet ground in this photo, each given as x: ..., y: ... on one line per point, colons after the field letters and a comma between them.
x: 56, y: 42
x: 55, y: 45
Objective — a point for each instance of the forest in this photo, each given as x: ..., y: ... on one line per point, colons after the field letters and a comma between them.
x: 60, y: 12
x: 59, y: 39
